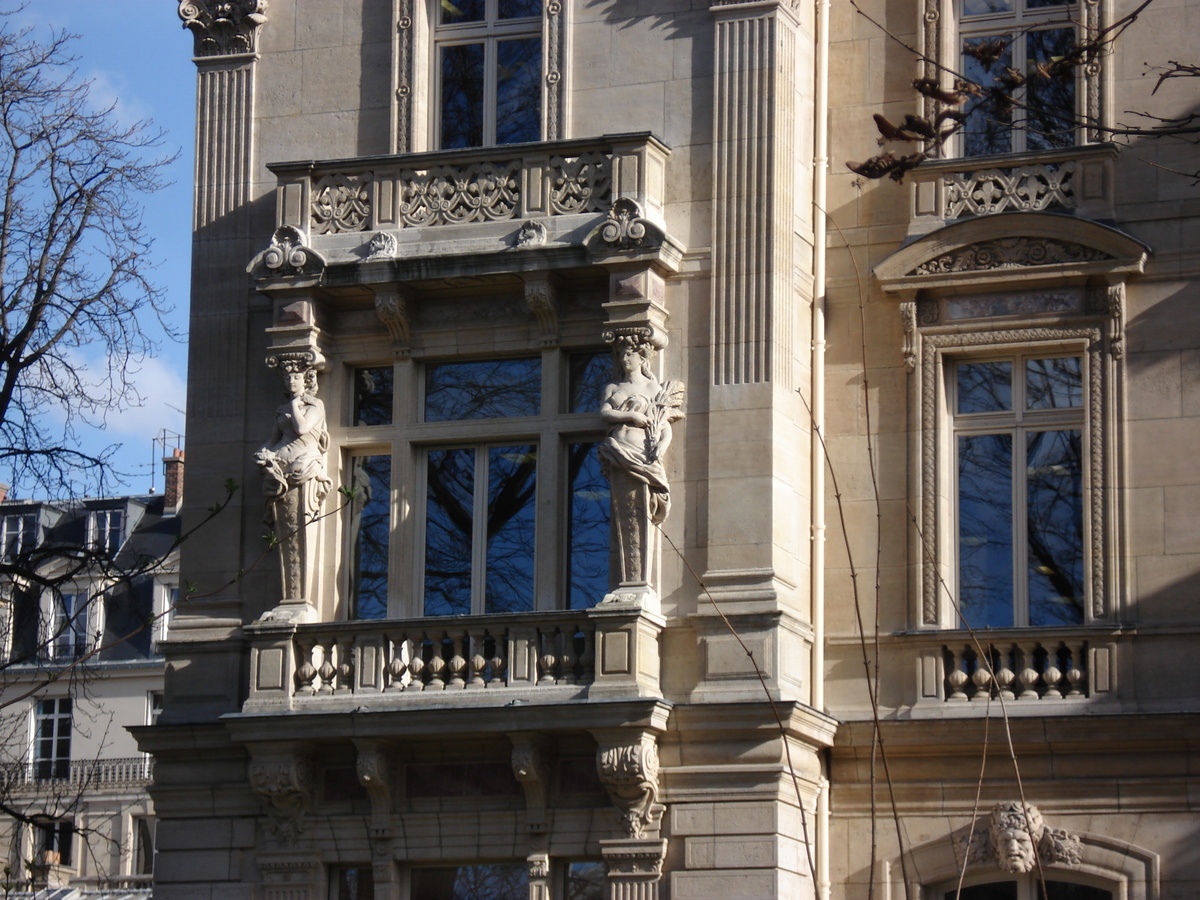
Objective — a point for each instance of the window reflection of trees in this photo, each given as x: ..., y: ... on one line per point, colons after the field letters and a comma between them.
x: 479, y: 882
x: 370, y: 530
x: 996, y: 500
x: 488, y: 389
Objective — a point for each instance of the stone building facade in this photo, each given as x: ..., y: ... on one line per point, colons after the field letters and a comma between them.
x: 633, y: 469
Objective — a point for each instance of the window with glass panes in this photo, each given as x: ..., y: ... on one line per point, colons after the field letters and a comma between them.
x: 1019, y: 484
x: 511, y: 510
x: 1013, y: 49
x: 69, y: 611
x: 18, y: 533
x: 52, y: 739
x: 488, y: 72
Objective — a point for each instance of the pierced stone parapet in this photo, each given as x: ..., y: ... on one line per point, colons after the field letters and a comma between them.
x: 477, y: 185
x: 1077, y: 180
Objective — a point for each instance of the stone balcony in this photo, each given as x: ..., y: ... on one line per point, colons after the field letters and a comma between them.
x: 512, y: 196
x: 607, y: 652
x: 128, y: 773
x: 1075, y: 180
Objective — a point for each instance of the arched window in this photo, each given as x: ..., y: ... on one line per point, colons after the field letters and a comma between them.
x: 1026, y: 887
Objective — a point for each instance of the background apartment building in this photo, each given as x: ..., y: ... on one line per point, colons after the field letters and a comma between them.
x: 658, y: 507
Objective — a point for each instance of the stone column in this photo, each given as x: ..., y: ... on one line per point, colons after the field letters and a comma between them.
x: 759, y: 427
x: 634, y: 868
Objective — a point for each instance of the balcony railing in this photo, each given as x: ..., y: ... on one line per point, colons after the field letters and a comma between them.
x: 603, y: 651
x: 85, y: 774
x: 1075, y: 180
x: 458, y: 187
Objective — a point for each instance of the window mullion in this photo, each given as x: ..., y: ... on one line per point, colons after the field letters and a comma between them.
x: 491, y: 57
x: 479, y: 532
x: 1020, y: 526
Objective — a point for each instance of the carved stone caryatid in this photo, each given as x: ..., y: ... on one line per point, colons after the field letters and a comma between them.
x: 1014, y: 837
x: 293, y: 468
x: 223, y: 27
x: 286, y: 785
x: 639, y: 410
x: 628, y: 769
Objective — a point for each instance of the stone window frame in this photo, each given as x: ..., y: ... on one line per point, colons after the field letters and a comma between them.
x: 936, y: 515
x: 414, y: 113
x: 408, y: 439
x: 939, y: 32
x: 55, y: 761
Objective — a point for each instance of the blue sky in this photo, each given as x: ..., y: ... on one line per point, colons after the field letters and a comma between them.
x: 139, y: 57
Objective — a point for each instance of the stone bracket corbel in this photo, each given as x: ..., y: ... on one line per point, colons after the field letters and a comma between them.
x: 627, y: 763
x: 284, y: 779
x: 287, y: 262
x: 531, y: 767
x: 541, y: 296
x: 393, y: 307
x: 374, y: 768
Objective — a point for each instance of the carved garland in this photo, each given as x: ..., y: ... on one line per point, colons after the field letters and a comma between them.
x: 286, y: 786
x: 931, y: 353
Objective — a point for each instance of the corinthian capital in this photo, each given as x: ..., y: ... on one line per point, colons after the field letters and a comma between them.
x: 223, y: 27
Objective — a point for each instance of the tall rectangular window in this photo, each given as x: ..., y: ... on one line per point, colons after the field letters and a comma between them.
x: 106, y: 530
x: 1018, y: 52
x: 68, y: 635
x: 496, y: 881
x: 1018, y: 433
x: 55, y: 841
x: 511, y: 510
x: 488, y: 58
x: 52, y: 739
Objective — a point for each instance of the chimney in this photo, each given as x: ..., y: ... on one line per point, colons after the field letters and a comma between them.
x: 173, y: 469
x: 3, y: 492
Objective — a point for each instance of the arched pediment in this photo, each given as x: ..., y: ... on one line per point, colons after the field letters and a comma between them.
x: 1012, y: 248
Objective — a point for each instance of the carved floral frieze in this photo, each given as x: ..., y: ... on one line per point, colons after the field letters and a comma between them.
x: 223, y: 27
x: 1009, y: 253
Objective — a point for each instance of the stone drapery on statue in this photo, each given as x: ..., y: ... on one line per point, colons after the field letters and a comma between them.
x: 293, y: 468
x: 639, y: 410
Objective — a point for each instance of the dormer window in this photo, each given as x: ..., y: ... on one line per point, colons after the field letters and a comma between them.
x: 105, y: 530
x: 18, y: 533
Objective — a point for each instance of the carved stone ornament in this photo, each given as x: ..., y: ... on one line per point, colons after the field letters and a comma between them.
x: 1014, y: 836
x: 1009, y: 253
x: 625, y: 229
x: 530, y: 768
x: 286, y: 786
x: 541, y: 297
x: 391, y: 306
x: 287, y: 256
x: 629, y: 772
x: 292, y: 463
x: 908, y: 317
x: 639, y: 410
x: 381, y: 246
x: 223, y: 27
x: 532, y: 234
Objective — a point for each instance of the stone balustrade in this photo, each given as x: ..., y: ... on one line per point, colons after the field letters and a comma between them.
x: 477, y: 185
x: 1076, y: 180
x: 609, y: 650
x: 89, y: 774
x: 1030, y: 669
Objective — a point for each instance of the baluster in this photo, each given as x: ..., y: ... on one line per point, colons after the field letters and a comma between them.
x: 1005, y: 673
x: 345, y: 666
x: 956, y: 677
x: 567, y: 660
x: 326, y: 669
x: 305, y: 671
x: 458, y: 661
x: 1052, y: 674
x: 982, y: 679
x: 498, y: 662
x: 549, y: 658
x: 416, y: 666
x: 1076, y: 669
x: 396, y: 666
x: 587, y: 659
x: 477, y: 644
x: 1028, y: 675
x: 436, y: 665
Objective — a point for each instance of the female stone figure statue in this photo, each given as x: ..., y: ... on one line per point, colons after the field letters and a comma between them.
x: 639, y: 410
x: 293, y: 467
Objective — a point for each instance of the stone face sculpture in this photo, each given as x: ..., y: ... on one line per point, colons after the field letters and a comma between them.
x: 293, y: 468
x: 1014, y: 836
x: 639, y: 410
